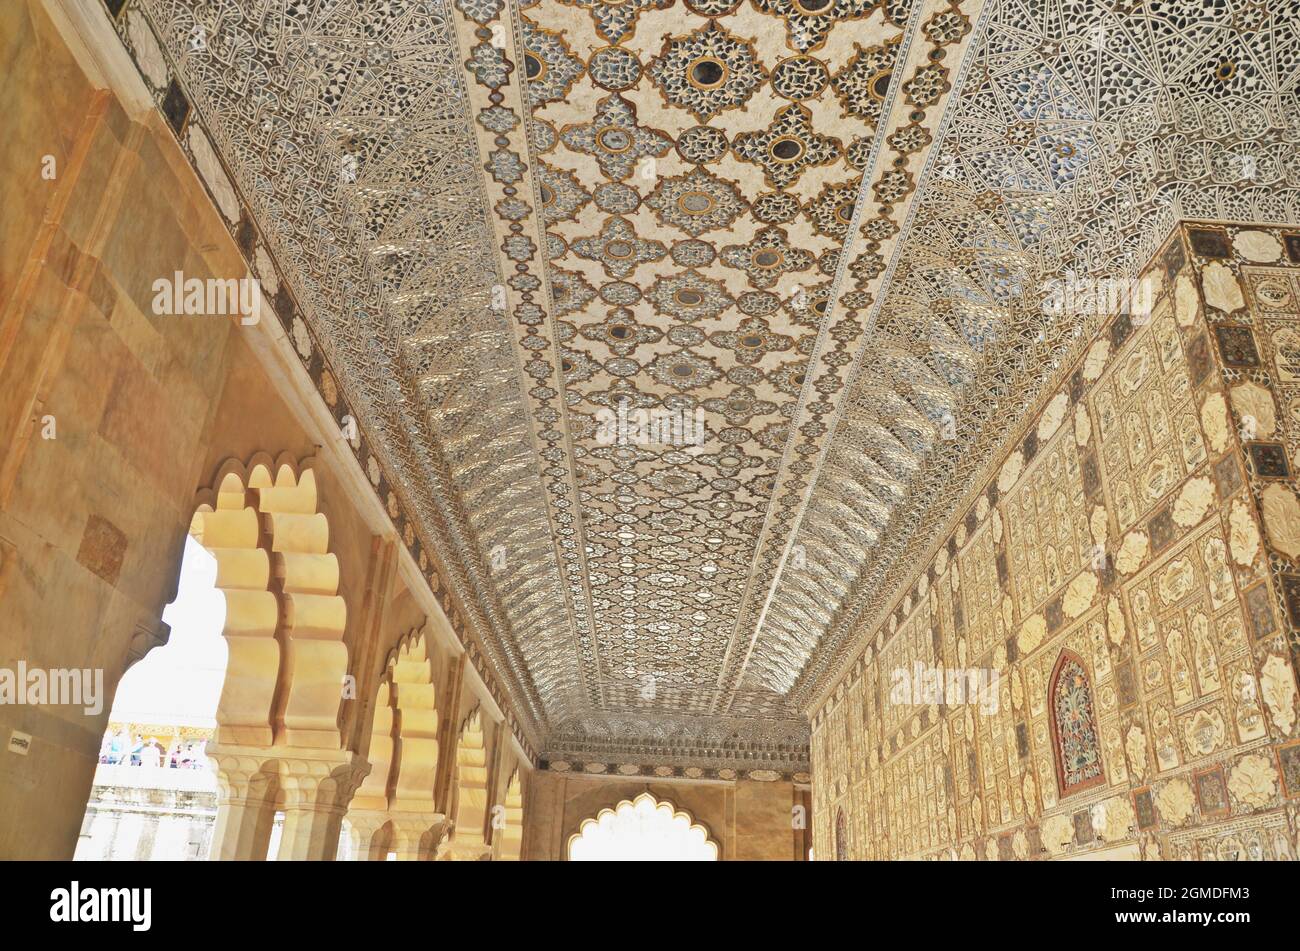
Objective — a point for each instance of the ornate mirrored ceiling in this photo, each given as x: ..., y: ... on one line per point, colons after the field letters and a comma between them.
x: 823, y: 226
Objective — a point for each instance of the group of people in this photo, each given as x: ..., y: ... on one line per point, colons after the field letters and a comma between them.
x: 122, y: 748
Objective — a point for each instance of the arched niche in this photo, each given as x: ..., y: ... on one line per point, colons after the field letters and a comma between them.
x: 1076, y: 740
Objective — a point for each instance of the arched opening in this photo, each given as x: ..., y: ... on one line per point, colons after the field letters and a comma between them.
x: 1076, y: 740
x: 644, y: 829
x: 154, y: 795
x: 252, y: 666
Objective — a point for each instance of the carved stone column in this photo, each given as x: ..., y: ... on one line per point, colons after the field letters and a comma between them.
x: 365, y: 824
x: 247, y: 794
x: 468, y: 849
x: 417, y: 835
x: 318, y: 786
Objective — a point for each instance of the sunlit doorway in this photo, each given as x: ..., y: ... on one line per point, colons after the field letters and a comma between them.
x: 643, y: 829
x: 154, y: 795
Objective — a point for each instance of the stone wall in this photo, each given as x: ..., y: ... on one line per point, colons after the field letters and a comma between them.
x: 92, y: 520
x: 1127, y: 581
x: 149, y: 813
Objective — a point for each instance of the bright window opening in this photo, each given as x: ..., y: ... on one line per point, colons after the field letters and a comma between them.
x: 642, y: 830
x: 154, y: 794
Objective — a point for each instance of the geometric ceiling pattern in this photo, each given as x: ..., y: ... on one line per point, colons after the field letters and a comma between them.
x: 823, y: 227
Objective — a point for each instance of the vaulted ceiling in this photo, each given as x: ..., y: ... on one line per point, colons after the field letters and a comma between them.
x: 825, y: 224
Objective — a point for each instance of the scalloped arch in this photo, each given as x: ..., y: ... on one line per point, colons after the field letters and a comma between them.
x: 416, y: 701
x: 651, y: 829
x: 284, y: 617
x: 471, y: 783
x: 398, y: 794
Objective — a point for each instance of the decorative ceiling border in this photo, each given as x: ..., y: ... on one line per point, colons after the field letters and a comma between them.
x: 685, y: 740
x: 628, y: 770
